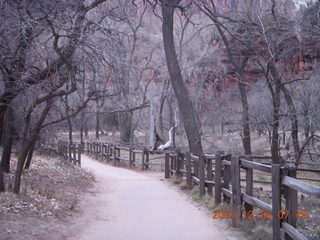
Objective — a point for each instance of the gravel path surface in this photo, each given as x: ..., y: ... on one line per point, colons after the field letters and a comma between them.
x: 129, y: 205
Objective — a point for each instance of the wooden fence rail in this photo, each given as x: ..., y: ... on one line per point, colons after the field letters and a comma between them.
x: 122, y: 155
x: 223, y: 173
x: 71, y: 152
x: 217, y: 175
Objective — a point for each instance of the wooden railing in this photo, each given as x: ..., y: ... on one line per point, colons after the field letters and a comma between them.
x: 71, y: 152
x: 220, y: 174
x: 123, y: 155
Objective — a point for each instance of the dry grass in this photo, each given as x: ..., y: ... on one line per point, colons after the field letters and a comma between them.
x: 183, y: 185
x: 261, y: 232
x: 50, y: 192
x: 310, y: 226
x: 210, y: 203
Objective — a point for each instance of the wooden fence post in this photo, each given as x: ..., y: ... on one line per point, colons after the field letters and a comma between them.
x: 236, y: 190
x: 133, y: 158
x: 66, y: 151
x: 196, y: 168
x: 227, y: 178
x: 147, y: 159
x: 166, y: 166
x: 202, y: 183
x: 291, y: 197
x: 114, y: 155
x: 69, y: 150
x: 104, y: 150
x: 276, y: 201
x: 97, y: 151
x: 188, y: 169
x: 92, y: 149
x: 74, y: 154
x: 130, y: 157
x: 143, y: 158
x: 79, y: 154
x: 108, y: 152
x: 249, y: 185
x: 100, y: 151
x: 172, y: 163
x: 103, y: 154
x: 209, y: 176
x: 217, y: 179
x: 178, y: 163
x: 118, y: 158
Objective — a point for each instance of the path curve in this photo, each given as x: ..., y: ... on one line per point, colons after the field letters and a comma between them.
x: 129, y: 205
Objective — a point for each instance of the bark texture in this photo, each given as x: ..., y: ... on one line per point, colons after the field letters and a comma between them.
x: 184, y: 103
x: 7, y: 140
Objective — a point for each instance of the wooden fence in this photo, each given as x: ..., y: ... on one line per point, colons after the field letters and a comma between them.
x: 218, y: 175
x: 120, y: 155
x: 71, y: 152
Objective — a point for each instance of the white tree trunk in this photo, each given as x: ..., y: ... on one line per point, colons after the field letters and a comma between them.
x: 151, y: 125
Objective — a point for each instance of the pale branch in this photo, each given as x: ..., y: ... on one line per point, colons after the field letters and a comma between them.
x: 124, y: 110
x: 304, y: 145
x: 79, y: 109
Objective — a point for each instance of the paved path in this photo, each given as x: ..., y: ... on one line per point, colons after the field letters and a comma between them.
x: 128, y: 205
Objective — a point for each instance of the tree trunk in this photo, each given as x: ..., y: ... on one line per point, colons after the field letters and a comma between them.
x: 275, y: 126
x: 125, y: 126
x: 97, y: 125
x: 171, y: 113
x: 275, y: 134
x: 21, y: 160
x: 306, y: 127
x: 152, y: 136
x: 97, y: 121
x: 294, y: 122
x: 26, y: 146
x: 86, y: 130
x: 162, y: 101
x: 2, y: 188
x: 81, y: 127
x: 2, y: 112
x: 239, y: 65
x: 246, y: 140
x: 7, y: 140
x: 70, y: 129
x: 30, y: 153
x: 185, y: 106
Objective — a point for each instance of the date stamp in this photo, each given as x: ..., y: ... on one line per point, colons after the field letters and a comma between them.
x: 259, y: 214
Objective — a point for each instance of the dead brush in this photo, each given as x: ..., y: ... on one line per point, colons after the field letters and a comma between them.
x: 49, y: 187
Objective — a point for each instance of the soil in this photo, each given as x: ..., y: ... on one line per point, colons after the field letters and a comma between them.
x: 48, y: 200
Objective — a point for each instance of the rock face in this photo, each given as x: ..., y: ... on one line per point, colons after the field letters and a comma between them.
x: 299, y: 53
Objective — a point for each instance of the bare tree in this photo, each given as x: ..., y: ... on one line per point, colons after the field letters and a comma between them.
x: 185, y: 106
x: 33, y: 20
x: 238, y: 63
